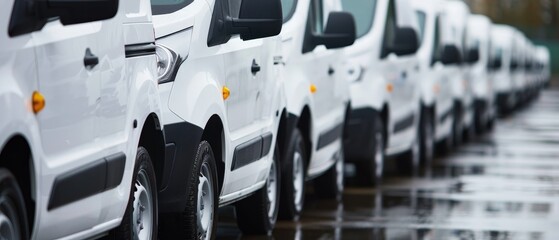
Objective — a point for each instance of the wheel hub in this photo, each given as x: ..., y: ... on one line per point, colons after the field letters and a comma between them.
x: 142, y: 215
x: 205, y: 203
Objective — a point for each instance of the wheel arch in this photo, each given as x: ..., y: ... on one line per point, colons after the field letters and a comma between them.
x: 214, y: 133
x: 153, y: 140
x: 385, y: 116
x: 305, y: 126
x: 17, y: 147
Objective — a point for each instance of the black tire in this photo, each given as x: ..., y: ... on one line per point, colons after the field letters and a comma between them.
x: 144, y: 184
x: 479, y: 120
x: 369, y: 171
x: 184, y: 225
x: 12, y: 206
x: 427, y: 138
x: 331, y: 184
x: 408, y: 163
x: 292, y: 197
x: 457, y: 125
x: 253, y: 213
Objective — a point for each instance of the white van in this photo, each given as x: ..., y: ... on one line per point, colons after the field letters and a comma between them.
x: 500, y: 67
x: 476, y: 64
x: 517, y: 68
x: 435, y: 84
x: 384, y: 75
x: 543, y: 68
x: 317, y: 99
x: 81, y: 145
x: 220, y: 79
x: 454, y: 20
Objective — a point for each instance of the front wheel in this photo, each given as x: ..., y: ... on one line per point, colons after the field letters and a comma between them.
x: 140, y: 219
x: 198, y: 220
x: 293, y: 179
x: 427, y: 138
x: 13, y: 216
x: 258, y: 213
x: 331, y: 184
x: 369, y: 171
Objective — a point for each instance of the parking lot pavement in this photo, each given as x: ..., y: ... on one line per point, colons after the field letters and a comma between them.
x: 504, y: 185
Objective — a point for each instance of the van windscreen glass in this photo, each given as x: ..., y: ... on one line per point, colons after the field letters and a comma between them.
x: 364, y: 13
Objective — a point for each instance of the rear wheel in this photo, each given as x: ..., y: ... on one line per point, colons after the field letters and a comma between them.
x: 258, y: 213
x: 13, y: 216
x: 293, y: 178
x: 140, y: 219
x: 198, y: 220
x: 331, y: 184
x: 369, y: 171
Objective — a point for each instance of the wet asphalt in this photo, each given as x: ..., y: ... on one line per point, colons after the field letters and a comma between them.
x: 501, y: 185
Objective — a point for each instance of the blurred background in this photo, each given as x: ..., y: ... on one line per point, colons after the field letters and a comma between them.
x: 538, y: 19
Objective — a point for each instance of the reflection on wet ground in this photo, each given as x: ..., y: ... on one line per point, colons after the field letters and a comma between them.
x: 504, y: 185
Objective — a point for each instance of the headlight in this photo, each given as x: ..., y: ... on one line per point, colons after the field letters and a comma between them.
x: 168, y: 63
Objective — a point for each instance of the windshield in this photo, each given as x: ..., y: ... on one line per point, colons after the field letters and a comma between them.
x: 364, y: 13
x: 168, y: 6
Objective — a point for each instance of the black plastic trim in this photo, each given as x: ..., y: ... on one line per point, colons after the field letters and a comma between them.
x: 99, y: 176
x: 404, y: 123
x: 330, y: 136
x: 138, y: 50
x: 251, y: 151
x: 182, y: 140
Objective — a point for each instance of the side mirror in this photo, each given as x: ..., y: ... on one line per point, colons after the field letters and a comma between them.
x: 473, y: 55
x: 340, y: 31
x: 497, y: 63
x: 30, y: 16
x: 514, y: 65
x: 451, y: 55
x: 258, y: 19
x: 406, y: 42
x: 77, y: 11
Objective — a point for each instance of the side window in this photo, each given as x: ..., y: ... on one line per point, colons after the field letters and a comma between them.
x: 437, y: 49
x: 315, y: 24
x: 421, y: 21
x: 389, y: 29
x: 168, y: 6
x: 288, y: 8
x: 234, y: 7
x: 316, y: 16
x: 364, y: 13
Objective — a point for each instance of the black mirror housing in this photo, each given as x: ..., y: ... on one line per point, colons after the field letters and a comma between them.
x: 30, y: 16
x: 451, y: 55
x: 78, y: 11
x: 514, y: 65
x: 340, y: 31
x: 497, y: 64
x: 258, y: 19
x: 406, y: 42
x: 473, y: 56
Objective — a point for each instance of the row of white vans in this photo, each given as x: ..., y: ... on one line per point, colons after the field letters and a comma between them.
x: 133, y: 119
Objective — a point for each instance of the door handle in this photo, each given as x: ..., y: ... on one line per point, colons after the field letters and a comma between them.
x: 90, y: 60
x: 404, y: 75
x: 331, y: 71
x: 255, y: 67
